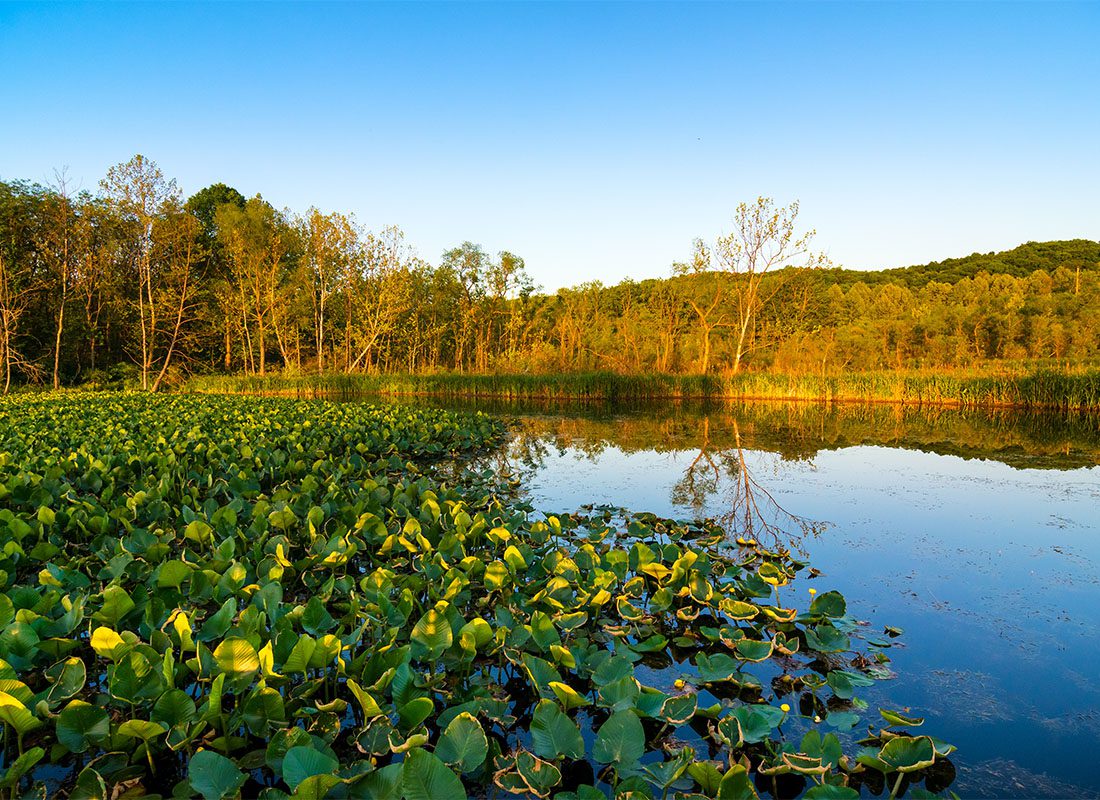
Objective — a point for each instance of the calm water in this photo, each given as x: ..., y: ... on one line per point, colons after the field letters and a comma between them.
x: 978, y: 535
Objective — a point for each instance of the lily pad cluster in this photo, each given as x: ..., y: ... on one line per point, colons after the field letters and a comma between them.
x: 224, y: 597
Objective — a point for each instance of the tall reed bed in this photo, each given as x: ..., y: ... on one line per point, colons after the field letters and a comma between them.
x: 1044, y: 389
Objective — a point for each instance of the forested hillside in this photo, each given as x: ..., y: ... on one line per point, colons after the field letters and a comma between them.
x: 134, y: 283
x: 1019, y: 262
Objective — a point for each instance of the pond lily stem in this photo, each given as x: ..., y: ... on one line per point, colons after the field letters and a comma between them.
x: 897, y: 785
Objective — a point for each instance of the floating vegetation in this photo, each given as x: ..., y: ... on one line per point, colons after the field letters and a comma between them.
x: 229, y: 596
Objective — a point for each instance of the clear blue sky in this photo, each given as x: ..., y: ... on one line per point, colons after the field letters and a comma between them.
x: 594, y: 140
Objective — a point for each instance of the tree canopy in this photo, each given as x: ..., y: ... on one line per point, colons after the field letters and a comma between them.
x: 134, y: 284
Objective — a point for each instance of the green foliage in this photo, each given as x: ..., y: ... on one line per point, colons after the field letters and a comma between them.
x: 257, y: 290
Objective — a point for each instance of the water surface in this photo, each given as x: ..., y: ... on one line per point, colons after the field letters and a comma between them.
x: 977, y: 534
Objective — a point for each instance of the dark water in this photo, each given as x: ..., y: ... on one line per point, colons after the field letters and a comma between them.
x: 978, y: 534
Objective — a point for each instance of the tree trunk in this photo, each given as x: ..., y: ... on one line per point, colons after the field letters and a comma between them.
x: 57, y: 339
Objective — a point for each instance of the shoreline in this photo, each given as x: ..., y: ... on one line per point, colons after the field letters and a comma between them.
x: 1039, y: 391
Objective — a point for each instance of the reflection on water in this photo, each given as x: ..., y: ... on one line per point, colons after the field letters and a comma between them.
x: 801, y: 431
x: 716, y: 476
x: 978, y: 534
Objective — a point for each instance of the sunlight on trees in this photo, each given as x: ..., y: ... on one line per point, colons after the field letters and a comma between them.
x: 134, y: 286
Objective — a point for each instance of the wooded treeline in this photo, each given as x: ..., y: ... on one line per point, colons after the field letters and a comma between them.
x: 133, y: 283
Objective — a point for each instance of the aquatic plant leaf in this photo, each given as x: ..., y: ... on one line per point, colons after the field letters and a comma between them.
x: 415, y: 712
x: 431, y: 636
x: 619, y: 695
x: 540, y: 776
x: 826, y: 639
x: 718, y: 667
x: 172, y: 573
x: 16, y: 715
x: 425, y: 777
x: 706, y: 775
x: 300, y: 763
x: 842, y: 720
x: 568, y: 696
x: 81, y: 725
x: 620, y: 741
x: 679, y: 709
x: 553, y: 734
x: 752, y: 650
x: 830, y: 792
x: 107, y: 643
x: 736, y: 785
x: 89, y: 786
x: 69, y: 677
x: 367, y: 704
x: 829, y: 604
x: 463, y: 744
x: 237, y: 656
x: 217, y: 625
x: 263, y: 709
x: 908, y: 754
x: 174, y: 707
x: 20, y: 767
x: 384, y: 783
x: 896, y: 718
x: 214, y: 776
x: 666, y: 773
x: 141, y: 729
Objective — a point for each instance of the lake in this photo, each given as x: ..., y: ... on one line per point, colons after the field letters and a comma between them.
x: 977, y: 534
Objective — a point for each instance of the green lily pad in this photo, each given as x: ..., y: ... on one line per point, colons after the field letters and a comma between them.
x: 553, y: 734
x: 463, y: 744
x: 620, y: 741
x: 426, y: 777
x: 908, y: 754
x: 214, y: 776
x: 301, y: 763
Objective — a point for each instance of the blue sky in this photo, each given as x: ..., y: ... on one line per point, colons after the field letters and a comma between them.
x: 594, y: 140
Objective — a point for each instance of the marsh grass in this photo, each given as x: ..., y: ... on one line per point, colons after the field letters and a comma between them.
x: 1041, y: 389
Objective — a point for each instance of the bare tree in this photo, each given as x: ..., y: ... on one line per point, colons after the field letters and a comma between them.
x: 763, y: 240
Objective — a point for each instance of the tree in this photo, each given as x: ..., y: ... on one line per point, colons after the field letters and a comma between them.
x: 379, y: 293
x: 219, y: 327
x: 19, y: 219
x: 711, y: 314
x: 57, y: 247
x: 667, y: 309
x: 14, y: 299
x: 204, y: 205
x: 762, y: 241
x: 178, y: 252
x: 140, y: 191
x: 331, y: 251
x: 469, y: 263
x: 256, y: 243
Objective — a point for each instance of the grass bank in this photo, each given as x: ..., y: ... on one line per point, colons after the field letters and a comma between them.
x: 1044, y: 389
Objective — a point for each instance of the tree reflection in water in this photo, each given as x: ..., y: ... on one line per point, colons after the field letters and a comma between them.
x: 751, y: 510
x: 738, y: 455
x: 719, y: 482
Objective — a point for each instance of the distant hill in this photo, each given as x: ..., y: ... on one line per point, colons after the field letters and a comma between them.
x: 1018, y: 262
